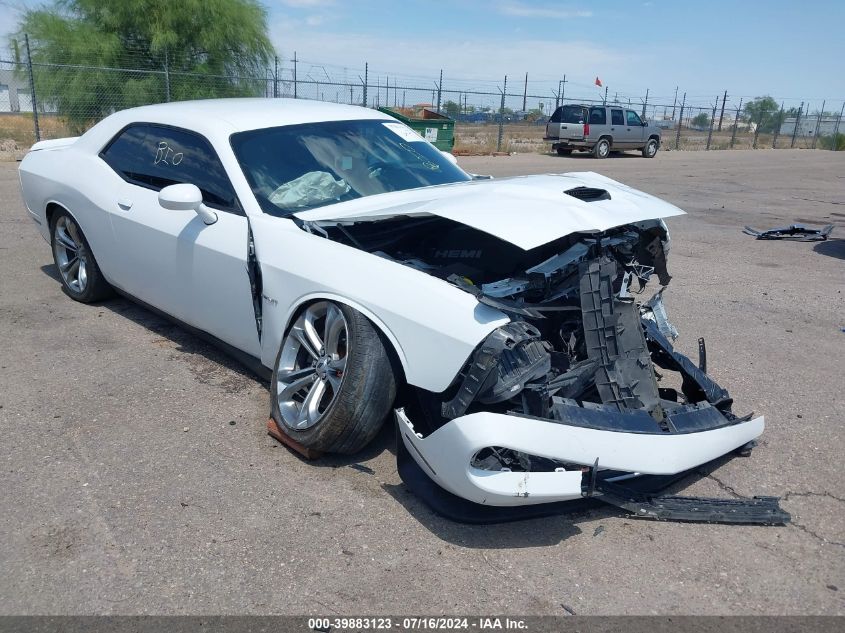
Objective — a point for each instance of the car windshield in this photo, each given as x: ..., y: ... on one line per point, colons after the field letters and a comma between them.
x: 299, y: 167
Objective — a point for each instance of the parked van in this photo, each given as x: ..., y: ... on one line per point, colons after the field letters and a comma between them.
x: 600, y: 129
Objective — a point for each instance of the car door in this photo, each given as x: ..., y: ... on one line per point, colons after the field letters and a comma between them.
x: 634, y: 129
x: 619, y: 129
x: 170, y: 259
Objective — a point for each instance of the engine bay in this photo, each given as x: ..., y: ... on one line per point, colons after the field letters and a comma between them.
x: 585, y: 346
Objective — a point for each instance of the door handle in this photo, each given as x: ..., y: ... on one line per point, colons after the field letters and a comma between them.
x: 124, y: 203
x: 563, y: 127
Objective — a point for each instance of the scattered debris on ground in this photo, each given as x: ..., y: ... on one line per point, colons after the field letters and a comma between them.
x: 797, y: 232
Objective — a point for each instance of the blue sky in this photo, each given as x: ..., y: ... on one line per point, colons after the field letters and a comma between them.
x: 793, y: 51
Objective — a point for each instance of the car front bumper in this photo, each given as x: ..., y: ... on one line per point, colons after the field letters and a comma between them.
x: 446, y: 454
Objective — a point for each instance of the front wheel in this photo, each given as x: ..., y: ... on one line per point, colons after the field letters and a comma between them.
x: 650, y: 149
x: 333, y: 384
x: 81, y: 277
x: 602, y: 148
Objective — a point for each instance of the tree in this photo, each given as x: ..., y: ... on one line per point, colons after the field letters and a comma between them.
x: 181, y: 49
x: 766, y: 112
x: 452, y: 109
x: 700, y: 120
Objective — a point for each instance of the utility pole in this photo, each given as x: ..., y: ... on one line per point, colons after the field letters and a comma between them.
x: 563, y: 88
x: 525, y: 94
x: 722, y: 115
x: 605, y: 96
x: 32, y: 90
x: 295, y: 96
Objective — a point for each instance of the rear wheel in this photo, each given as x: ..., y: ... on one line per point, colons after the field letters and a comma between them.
x: 79, y: 272
x: 602, y: 148
x: 562, y: 151
x: 650, y: 149
x: 333, y: 384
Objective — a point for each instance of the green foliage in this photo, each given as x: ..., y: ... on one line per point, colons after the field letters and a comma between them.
x: 766, y: 112
x: 452, y: 109
x: 222, y: 43
x: 829, y: 142
x: 700, y: 120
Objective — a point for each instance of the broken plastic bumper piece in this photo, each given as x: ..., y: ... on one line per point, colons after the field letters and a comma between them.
x: 797, y: 232
x: 446, y: 455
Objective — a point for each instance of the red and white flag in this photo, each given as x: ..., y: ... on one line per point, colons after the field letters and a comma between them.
x: 598, y: 82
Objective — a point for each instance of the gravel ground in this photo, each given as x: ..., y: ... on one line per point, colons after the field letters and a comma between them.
x: 137, y: 476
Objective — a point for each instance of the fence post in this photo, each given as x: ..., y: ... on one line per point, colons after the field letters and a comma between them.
x: 275, y: 76
x: 722, y: 114
x: 440, y: 90
x: 295, y: 95
x: 757, y: 129
x: 366, y: 79
x: 795, y: 129
x: 645, y: 103
x: 736, y: 122
x: 502, y: 117
x: 32, y: 90
x: 674, y: 103
x: 166, y: 76
x: 818, y: 124
x: 778, y: 123
x: 680, y: 120
x: 836, y: 129
x: 712, y: 121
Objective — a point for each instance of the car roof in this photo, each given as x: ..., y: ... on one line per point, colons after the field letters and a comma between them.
x: 224, y: 117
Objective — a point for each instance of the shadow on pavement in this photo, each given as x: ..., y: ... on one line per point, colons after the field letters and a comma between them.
x: 831, y: 248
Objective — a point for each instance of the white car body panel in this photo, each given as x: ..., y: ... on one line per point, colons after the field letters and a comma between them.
x: 447, y: 452
x: 546, y: 213
x: 433, y: 325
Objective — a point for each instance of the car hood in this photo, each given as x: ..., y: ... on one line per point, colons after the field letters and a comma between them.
x: 527, y: 211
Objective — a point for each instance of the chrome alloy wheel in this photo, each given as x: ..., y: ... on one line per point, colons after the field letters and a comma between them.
x: 311, y: 365
x: 71, y: 255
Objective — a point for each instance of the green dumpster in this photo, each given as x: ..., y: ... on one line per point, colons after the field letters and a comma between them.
x: 436, y: 128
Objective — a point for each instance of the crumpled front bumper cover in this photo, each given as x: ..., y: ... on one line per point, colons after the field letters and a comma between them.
x: 445, y: 455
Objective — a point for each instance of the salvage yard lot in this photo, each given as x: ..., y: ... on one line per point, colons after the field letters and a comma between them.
x: 137, y: 475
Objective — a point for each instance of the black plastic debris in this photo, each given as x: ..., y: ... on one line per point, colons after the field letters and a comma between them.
x: 797, y: 232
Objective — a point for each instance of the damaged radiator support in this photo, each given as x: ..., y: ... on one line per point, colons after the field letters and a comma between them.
x: 614, y: 338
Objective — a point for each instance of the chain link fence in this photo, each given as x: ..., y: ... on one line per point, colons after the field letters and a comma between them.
x: 52, y: 100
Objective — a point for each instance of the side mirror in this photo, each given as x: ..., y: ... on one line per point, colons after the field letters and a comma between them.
x: 186, y: 197
x: 450, y: 157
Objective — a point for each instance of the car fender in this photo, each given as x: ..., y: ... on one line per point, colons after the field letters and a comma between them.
x: 433, y: 325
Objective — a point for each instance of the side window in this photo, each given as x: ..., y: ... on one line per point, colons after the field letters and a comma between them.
x: 616, y: 117
x: 156, y: 156
x: 598, y: 116
x: 634, y: 118
x: 556, y: 116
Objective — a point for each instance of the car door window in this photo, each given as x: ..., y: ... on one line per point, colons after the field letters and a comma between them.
x: 634, y: 118
x: 598, y: 116
x: 616, y: 117
x: 155, y: 156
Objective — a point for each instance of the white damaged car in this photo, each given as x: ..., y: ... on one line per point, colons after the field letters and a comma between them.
x: 501, y: 323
